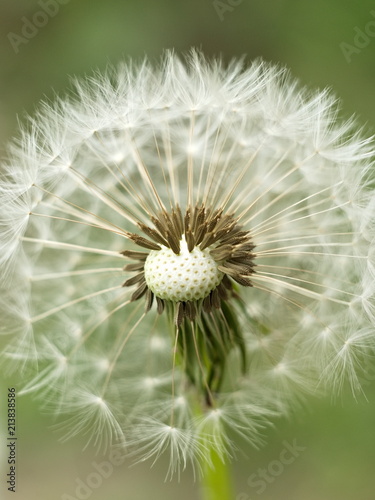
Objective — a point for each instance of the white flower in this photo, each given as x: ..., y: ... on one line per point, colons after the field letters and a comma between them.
x: 244, y: 217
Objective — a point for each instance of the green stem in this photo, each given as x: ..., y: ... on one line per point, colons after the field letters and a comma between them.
x: 216, y: 482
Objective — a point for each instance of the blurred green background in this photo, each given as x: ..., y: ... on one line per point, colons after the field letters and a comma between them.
x: 322, y: 44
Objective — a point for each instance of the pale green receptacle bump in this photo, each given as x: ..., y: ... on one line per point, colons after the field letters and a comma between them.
x: 183, y: 277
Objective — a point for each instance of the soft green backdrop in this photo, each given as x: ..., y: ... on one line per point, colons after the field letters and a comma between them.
x: 308, y: 37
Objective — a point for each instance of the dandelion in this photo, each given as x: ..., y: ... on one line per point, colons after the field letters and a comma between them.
x: 186, y: 251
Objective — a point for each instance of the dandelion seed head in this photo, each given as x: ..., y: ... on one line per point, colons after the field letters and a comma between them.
x: 281, y: 368
x: 99, y: 401
x: 157, y: 343
x: 180, y: 401
x: 186, y: 250
x: 62, y: 360
x: 103, y: 364
x: 150, y: 382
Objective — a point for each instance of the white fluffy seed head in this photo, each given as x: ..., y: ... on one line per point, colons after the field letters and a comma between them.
x: 92, y: 168
x: 186, y: 276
